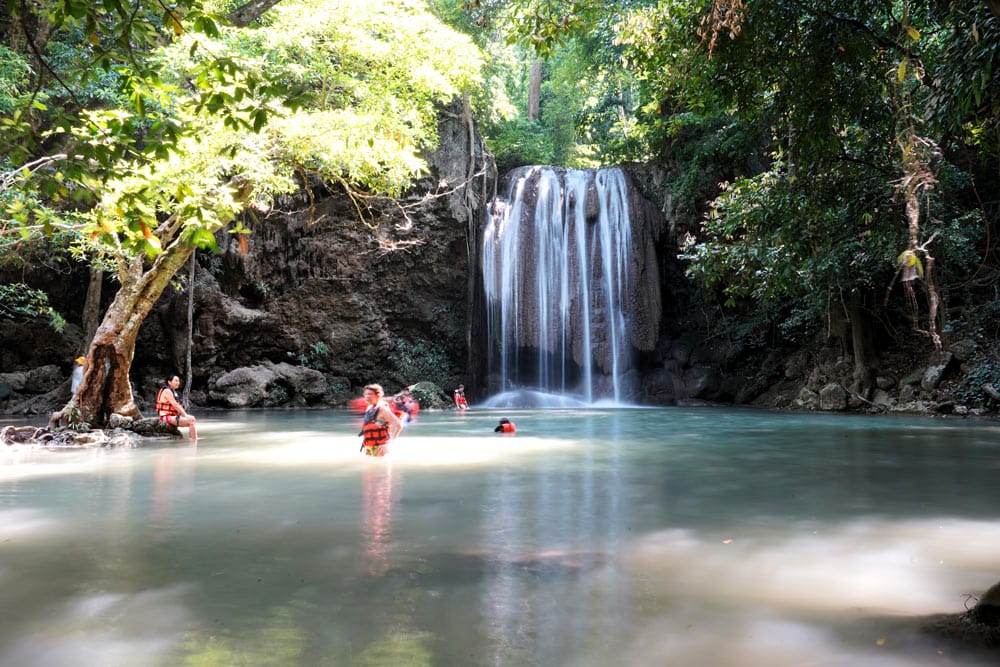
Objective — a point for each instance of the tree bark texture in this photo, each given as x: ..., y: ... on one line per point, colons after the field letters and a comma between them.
x: 92, y: 306
x: 246, y: 14
x: 862, y: 343
x: 186, y: 394
x: 994, y: 6
x: 106, y: 388
x: 534, y: 89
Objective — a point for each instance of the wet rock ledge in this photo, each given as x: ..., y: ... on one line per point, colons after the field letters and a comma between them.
x: 122, y: 432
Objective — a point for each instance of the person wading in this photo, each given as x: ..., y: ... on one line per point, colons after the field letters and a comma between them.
x: 380, y: 425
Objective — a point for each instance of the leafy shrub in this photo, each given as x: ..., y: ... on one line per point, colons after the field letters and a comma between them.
x: 970, y: 389
x: 979, y: 323
x: 520, y: 142
x: 422, y: 361
x: 316, y: 357
x: 20, y: 302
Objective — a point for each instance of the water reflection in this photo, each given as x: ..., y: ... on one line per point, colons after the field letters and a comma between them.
x: 596, y: 537
x: 378, y: 497
x: 173, y: 479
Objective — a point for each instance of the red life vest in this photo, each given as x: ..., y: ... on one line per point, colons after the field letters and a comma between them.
x: 508, y: 428
x: 374, y: 433
x: 165, y: 407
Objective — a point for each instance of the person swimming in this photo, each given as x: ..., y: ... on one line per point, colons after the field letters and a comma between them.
x: 505, y: 426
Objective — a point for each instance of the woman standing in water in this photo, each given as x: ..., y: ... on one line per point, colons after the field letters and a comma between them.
x: 380, y: 424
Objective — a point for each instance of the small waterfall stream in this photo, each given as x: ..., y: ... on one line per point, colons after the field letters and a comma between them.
x: 556, y: 261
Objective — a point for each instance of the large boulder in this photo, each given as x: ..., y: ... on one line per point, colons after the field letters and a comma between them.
x: 701, y: 381
x: 43, y: 379
x: 13, y: 382
x: 977, y: 629
x: 936, y: 371
x: 660, y: 386
x: 963, y: 350
x: 268, y: 385
x: 833, y: 397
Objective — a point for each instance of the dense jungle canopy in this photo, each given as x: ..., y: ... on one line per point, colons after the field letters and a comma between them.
x: 825, y: 150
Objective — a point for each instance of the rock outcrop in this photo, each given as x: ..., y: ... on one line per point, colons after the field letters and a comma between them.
x: 268, y: 385
x: 376, y: 294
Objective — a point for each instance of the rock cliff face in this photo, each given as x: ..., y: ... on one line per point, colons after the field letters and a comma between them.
x: 376, y: 296
x: 323, y: 295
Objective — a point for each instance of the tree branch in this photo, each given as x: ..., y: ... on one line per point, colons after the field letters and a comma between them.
x: 994, y: 6
x: 246, y: 14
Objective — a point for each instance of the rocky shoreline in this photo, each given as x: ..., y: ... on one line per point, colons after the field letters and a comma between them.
x: 122, y: 432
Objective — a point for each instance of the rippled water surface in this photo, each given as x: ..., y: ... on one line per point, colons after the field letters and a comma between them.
x: 684, y: 537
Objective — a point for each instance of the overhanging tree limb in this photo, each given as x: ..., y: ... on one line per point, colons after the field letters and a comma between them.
x: 246, y: 14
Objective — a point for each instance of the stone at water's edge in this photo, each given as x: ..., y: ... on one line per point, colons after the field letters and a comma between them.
x: 268, y: 385
x: 122, y: 432
x: 987, y: 610
x: 976, y: 630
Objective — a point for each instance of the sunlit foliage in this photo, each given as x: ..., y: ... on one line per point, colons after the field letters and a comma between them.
x: 347, y: 91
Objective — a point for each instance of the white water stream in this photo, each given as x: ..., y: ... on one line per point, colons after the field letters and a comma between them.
x: 556, y: 283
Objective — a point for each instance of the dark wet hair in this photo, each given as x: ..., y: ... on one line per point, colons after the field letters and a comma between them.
x: 504, y: 420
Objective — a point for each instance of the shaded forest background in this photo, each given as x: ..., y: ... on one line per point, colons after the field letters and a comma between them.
x: 828, y: 172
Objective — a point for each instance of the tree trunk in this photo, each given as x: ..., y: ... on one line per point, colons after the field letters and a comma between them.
x: 534, y: 89
x: 994, y: 6
x: 92, y: 306
x: 106, y: 388
x: 862, y: 343
x: 186, y: 394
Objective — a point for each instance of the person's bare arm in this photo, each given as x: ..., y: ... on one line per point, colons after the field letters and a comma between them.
x: 172, y: 400
x: 386, y: 415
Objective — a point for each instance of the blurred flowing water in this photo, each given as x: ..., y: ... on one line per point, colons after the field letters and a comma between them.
x: 673, y: 536
x: 557, y: 273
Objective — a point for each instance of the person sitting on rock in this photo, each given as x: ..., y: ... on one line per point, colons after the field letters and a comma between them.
x: 170, y: 410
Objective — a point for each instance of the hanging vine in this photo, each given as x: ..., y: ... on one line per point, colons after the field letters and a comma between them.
x: 915, y: 265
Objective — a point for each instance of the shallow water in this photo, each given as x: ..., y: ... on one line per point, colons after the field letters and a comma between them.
x: 688, y: 537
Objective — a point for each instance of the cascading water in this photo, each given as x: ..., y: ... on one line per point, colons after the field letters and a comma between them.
x: 557, y: 266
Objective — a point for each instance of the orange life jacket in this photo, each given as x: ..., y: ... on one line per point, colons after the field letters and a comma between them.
x: 164, y: 407
x: 508, y: 428
x: 374, y: 433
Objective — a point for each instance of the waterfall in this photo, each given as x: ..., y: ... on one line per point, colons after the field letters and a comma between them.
x: 557, y: 266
